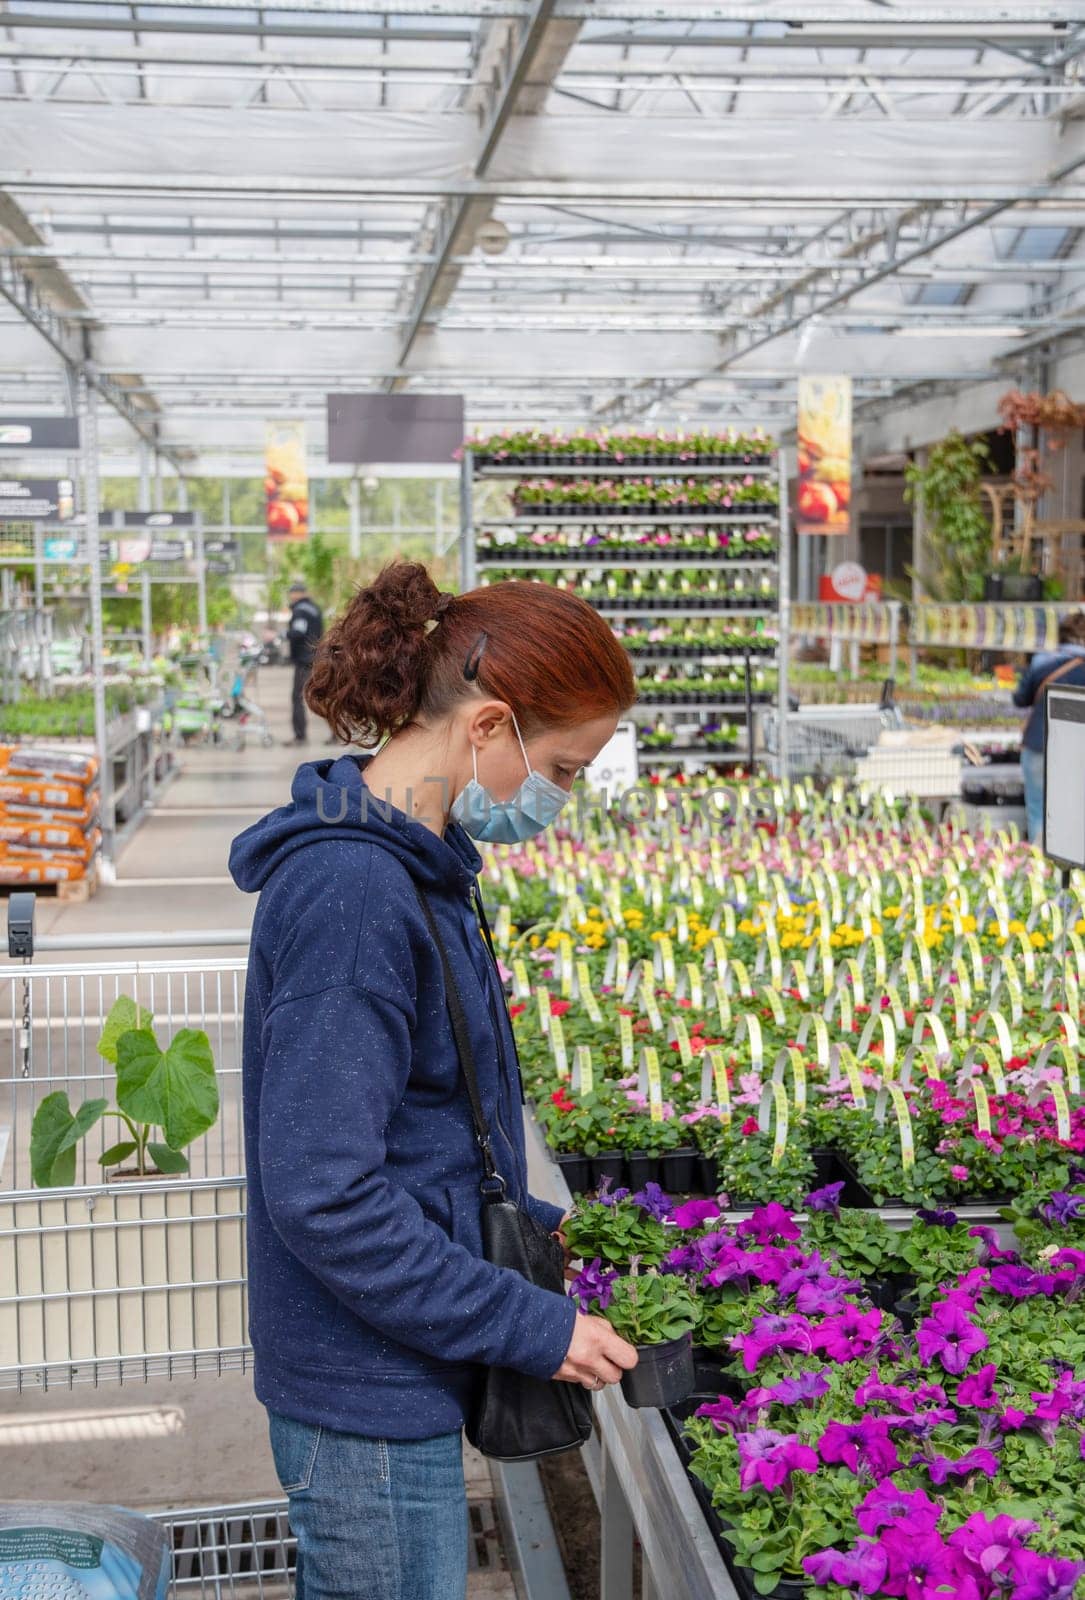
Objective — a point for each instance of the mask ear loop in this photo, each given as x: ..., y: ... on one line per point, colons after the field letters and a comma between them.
x: 519, y: 736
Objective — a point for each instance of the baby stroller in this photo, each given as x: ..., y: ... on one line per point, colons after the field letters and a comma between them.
x: 238, y: 711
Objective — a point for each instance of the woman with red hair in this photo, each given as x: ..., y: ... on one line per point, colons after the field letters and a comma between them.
x: 373, y: 1310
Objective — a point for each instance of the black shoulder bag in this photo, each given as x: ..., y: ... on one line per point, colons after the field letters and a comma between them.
x: 517, y: 1417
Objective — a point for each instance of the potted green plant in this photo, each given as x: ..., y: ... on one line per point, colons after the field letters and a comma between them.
x: 171, y: 1093
x: 656, y: 1313
x: 615, y: 1231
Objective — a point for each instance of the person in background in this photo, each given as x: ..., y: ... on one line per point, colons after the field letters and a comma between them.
x: 1066, y: 664
x: 305, y: 630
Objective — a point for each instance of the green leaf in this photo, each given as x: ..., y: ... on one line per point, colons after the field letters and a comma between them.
x: 766, y: 1582
x: 54, y: 1134
x: 124, y: 1014
x: 117, y: 1153
x: 174, y: 1089
x: 165, y: 1159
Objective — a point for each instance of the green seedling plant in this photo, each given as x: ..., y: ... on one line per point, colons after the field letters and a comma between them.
x: 164, y: 1099
x: 651, y: 1308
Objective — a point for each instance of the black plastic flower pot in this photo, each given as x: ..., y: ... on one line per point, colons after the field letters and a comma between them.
x: 642, y: 1169
x: 708, y: 1174
x: 855, y: 1195
x: 786, y: 1589
x: 610, y: 1166
x: 678, y: 1170
x: 663, y: 1375
x: 576, y: 1170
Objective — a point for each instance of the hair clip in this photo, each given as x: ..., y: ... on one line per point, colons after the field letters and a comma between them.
x: 471, y: 666
x: 428, y: 627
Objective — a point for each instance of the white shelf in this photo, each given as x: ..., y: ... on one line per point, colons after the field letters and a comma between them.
x: 654, y: 519
x: 717, y: 563
x: 732, y: 708
x: 653, y: 470
x: 691, y: 752
x: 633, y: 609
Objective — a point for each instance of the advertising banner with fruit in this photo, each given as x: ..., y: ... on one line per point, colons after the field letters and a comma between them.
x: 286, y: 482
x: 824, y: 497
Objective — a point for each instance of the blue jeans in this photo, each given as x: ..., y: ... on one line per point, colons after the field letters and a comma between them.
x: 1032, y: 770
x: 375, y: 1519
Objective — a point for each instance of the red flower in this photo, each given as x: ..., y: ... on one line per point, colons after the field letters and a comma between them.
x: 558, y: 1008
x: 749, y: 1126
x: 686, y: 1003
x: 642, y: 1025
x: 521, y: 1005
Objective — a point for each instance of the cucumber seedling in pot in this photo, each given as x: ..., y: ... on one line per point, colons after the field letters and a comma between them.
x: 164, y: 1100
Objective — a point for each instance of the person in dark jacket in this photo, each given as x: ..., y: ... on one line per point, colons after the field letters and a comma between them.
x: 304, y: 632
x: 372, y: 1308
x: 1064, y: 665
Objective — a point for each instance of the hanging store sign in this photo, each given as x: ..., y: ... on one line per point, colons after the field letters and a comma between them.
x: 39, y: 433
x: 824, y: 495
x: 60, y: 549
x: 286, y: 482
x: 220, y: 568
x: 168, y: 550
x: 36, y: 499
x: 158, y: 519
x: 220, y: 547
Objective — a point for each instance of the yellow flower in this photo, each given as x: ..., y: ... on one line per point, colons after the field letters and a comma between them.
x: 932, y: 939
x: 535, y: 941
x: 1017, y: 927
x: 892, y: 911
x: 968, y: 924
x: 1038, y: 941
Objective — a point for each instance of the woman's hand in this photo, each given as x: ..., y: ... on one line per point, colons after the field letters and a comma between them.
x: 596, y: 1355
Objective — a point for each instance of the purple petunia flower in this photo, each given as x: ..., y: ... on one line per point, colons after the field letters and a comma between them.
x: 937, y: 1219
x: 941, y: 1467
x: 769, y: 1458
x: 923, y: 1567
x: 725, y: 1414
x: 803, y: 1389
x: 990, y: 1249
x: 688, y: 1258
x: 979, y: 1389
x: 653, y: 1200
x: 594, y: 1286
x: 861, y: 1447
x: 949, y: 1334
x: 885, y: 1505
x: 862, y: 1567
x: 825, y: 1199
x: 1066, y: 1398
x: 1069, y: 1260
x: 1062, y: 1209
x: 989, y: 1542
x: 771, y: 1333
x: 605, y: 1196
x: 695, y: 1212
x: 1042, y: 1577
x: 767, y: 1223
x: 847, y: 1336
x: 1018, y: 1282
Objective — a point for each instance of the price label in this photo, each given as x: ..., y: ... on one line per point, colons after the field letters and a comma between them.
x: 714, y: 1082
x: 557, y: 1047
x: 521, y: 983
x: 718, y: 956
x: 790, y: 1057
x: 682, y: 922
x: 651, y: 1009
x: 904, y: 1124
x: 775, y: 1005
x: 510, y: 884
x: 983, y: 1106
x: 821, y: 1037
x: 503, y: 926
x: 723, y: 1003
x: 693, y: 987
x: 843, y: 1057
x: 911, y: 978
x: 934, y: 1024
x: 742, y: 976
x: 650, y: 1068
x: 678, y: 1033
x: 749, y: 1027
x: 542, y: 996
x: 586, y: 992
x: 800, y: 980
x: 625, y: 1035
x: 665, y: 956
x: 773, y: 1112
x: 882, y: 1020
x: 776, y: 960
x: 989, y: 1056
x: 583, y: 1070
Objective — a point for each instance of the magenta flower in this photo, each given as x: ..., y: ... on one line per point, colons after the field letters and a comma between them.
x: 1066, y: 1398
x: 771, y: 1333
x: 1018, y: 1282
x: 979, y: 1389
x: 768, y: 1223
x: 847, y: 1336
x: 989, y: 1542
x: 923, y: 1567
x: 803, y: 1389
x: 950, y: 1335
x: 818, y: 1273
x: 861, y: 1447
x: 990, y: 1249
x: 694, y: 1213
x: 1012, y: 1420
x: 769, y: 1458
x: 886, y: 1505
x: 862, y: 1567
x: 1040, y: 1577
x: 1069, y: 1260
x: 941, y: 1467
x: 725, y: 1415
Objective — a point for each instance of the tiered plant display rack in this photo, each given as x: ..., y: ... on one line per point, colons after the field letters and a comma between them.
x: 677, y: 542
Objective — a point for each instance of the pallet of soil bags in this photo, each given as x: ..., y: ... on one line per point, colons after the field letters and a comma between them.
x: 63, y: 766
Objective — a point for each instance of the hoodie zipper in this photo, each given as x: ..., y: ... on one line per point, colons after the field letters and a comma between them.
x: 506, y: 1079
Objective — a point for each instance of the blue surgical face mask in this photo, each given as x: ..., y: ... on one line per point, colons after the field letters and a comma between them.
x: 532, y: 808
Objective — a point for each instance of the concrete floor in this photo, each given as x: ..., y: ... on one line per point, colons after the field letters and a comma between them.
x: 174, y: 1443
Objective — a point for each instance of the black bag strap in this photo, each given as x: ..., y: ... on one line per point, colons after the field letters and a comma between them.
x: 493, y: 1184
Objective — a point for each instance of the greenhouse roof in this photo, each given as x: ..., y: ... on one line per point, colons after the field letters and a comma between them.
x: 571, y: 211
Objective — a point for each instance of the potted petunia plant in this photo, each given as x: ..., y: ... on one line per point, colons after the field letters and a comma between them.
x: 656, y: 1313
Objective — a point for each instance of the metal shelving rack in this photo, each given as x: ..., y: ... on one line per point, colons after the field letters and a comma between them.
x: 660, y: 605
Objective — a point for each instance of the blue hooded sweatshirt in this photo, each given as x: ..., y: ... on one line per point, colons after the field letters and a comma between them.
x: 372, y: 1308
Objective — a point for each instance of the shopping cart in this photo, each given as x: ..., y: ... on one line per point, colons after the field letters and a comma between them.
x: 239, y: 710
x: 829, y: 741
